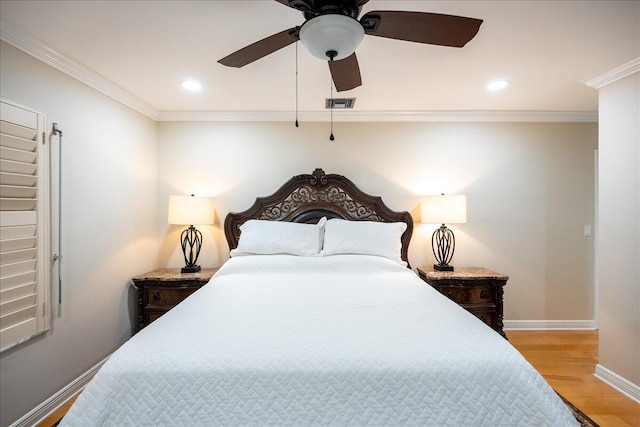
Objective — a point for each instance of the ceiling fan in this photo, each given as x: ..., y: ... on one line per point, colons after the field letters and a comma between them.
x: 332, y: 32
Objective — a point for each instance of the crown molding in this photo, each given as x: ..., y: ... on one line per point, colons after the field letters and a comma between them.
x: 74, y: 69
x: 614, y: 75
x: 42, y: 52
x: 379, y: 116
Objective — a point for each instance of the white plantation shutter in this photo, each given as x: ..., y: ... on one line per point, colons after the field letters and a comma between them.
x: 24, y: 277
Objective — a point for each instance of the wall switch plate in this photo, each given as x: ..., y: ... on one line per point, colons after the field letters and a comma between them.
x: 587, y: 231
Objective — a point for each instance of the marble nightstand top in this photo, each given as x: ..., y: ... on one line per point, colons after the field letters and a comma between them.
x: 462, y: 273
x: 173, y: 274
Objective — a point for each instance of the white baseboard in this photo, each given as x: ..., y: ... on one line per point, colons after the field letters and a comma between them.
x: 46, y: 408
x: 540, y: 325
x: 621, y: 384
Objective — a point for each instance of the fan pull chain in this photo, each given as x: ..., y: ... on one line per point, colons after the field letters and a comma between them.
x: 297, y: 84
x: 331, y: 138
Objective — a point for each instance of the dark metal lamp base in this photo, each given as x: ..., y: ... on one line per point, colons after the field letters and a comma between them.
x: 190, y: 269
x: 442, y: 267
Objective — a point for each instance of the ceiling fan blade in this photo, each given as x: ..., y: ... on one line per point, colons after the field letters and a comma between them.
x: 421, y: 27
x: 261, y: 48
x: 345, y: 73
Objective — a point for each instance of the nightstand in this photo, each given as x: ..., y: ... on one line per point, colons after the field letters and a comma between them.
x: 162, y: 289
x: 476, y: 289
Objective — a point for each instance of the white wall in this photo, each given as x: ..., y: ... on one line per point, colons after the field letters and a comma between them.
x: 619, y: 213
x: 530, y: 189
x: 109, y: 226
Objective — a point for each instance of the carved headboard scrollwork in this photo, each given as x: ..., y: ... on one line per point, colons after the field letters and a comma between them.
x: 307, y: 198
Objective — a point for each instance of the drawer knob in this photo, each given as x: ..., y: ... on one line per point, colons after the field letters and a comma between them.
x: 156, y: 296
x: 450, y: 294
x: 484, y: 294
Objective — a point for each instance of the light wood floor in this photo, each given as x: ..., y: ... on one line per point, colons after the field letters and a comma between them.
x: 567, y: 360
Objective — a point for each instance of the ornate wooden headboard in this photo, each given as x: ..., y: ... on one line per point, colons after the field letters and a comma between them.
x: 307, y: 198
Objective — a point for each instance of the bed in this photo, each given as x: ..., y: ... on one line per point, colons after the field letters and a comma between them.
x: 316, y: 319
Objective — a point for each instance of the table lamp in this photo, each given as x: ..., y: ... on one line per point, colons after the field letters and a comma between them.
x: 443, y: 210
x: 190, y: 210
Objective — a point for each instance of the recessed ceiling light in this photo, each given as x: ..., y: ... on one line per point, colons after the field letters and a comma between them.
x: 191, y: 86
x: 497, y: 85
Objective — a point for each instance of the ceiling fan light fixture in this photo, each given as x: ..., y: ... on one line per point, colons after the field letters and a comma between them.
x: 326, y: 33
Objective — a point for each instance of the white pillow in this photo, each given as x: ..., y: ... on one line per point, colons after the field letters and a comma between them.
x: 364, y: 238
x: 259, y: 237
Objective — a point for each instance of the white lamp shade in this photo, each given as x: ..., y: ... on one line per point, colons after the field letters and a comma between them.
x: 324, y: 33
x: 444, y: 209
x: 191, y: 210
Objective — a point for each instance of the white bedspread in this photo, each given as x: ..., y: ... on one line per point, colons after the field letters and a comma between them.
x: 343, y: 340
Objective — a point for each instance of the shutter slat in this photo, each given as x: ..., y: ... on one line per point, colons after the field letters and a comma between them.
x: 9, y: 319
x: 15, y: 191
x: 17, y: 244
x: 7, y: 233
x: 18, y: 204
x: 18, y: 268
x: 18, y: 179
x: 17, y: 218
x: 18, y: 143
x: 18, y: 167
x: 17, y: 155
x: 17, y: 256
x: 18, y: 304
x: 17, y: 280
x: 16, y: 130
x: 18, y: 292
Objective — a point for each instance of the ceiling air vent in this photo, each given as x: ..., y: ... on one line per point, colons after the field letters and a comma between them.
x: 339, y: 103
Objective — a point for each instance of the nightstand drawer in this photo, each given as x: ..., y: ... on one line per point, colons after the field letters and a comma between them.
x: 476, y: 289
x: 150, y: 316
x: 470, y: 295
x: 166, y: 297
x: 162, y: 289
x: 488, y: 317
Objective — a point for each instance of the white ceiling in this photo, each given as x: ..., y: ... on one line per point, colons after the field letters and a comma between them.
x: 546, y: 49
